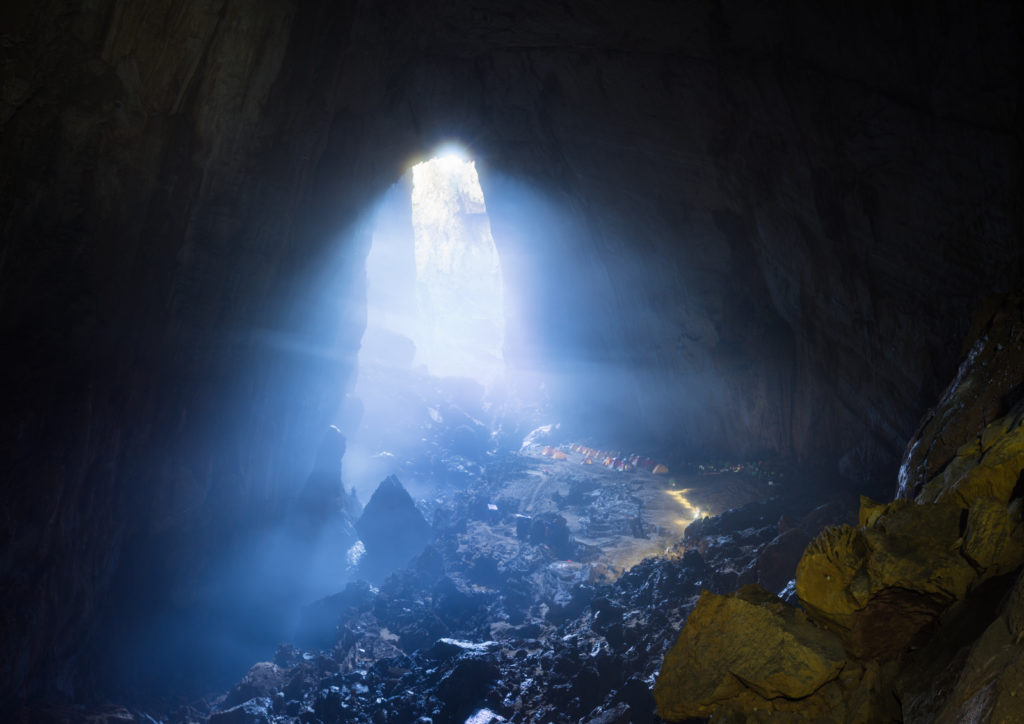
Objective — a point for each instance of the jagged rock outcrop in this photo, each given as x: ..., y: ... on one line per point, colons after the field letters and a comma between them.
x: 973, y: 667
x: 916, y: 593
x: 883, y: 582
x: 991, y: 681
x: 987, y: 466
x: 392, y: 529
x: 262, y: 680
x: 954, y: 452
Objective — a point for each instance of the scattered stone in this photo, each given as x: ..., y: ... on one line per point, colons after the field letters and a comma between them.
x: 254, y: 711
x: 262, y: 681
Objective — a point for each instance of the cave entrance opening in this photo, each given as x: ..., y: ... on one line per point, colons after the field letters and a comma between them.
x: 435, y: 290
x: 459, y: 289
x: 431, y: 357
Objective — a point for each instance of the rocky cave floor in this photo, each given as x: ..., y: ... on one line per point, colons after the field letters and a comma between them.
x: 550, y: 593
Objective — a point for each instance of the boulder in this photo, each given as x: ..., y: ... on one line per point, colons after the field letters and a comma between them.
x: 748, y: 643
x: 552, y: 530
x: 466, y: 685
x: 878, y: 586
x: 392, y: 527
x: 617, y: 714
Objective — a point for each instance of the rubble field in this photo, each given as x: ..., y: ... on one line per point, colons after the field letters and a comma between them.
x: 550, y: 592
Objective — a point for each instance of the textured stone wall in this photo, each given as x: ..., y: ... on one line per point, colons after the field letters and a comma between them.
x: 795, y: 211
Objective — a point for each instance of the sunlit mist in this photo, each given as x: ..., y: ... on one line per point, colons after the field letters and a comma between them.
x: 458, y: 275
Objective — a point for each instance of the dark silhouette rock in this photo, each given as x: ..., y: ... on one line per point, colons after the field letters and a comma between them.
x: 466, y: 685
x: 777, y: 559
x: 392, y: 528
x: 323, y: 494
x: 550, y: 529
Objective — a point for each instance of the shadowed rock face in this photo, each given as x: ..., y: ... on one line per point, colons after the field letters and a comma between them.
x: 392, y: 528
x: 779, y: 224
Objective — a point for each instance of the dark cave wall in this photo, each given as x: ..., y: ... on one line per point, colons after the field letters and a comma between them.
x: 797, y: 210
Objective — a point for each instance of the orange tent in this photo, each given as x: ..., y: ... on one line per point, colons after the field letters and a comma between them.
x: 660, y: 469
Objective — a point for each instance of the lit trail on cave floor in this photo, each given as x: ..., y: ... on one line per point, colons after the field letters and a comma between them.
x: 691, y: 512
x: 665, y: 512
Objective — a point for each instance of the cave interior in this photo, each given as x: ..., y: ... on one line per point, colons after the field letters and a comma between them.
x: 756, y: 261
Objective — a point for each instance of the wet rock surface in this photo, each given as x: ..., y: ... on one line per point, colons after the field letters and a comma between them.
x: 981, y: 406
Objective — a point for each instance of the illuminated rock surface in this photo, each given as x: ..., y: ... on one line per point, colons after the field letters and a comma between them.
x: 924, y: 595
x: 955, y: 453
x: 878, y: 586
x: 748, y: 641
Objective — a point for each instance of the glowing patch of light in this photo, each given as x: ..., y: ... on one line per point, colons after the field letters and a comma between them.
x: 451, y: 150
x: 691, y: 511
x: 459, y: 290
x: 355, y: 554
x: 484, y: 716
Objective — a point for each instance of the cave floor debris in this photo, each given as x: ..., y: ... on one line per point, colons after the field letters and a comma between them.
x: 627, y: 516
x: 550, y: 593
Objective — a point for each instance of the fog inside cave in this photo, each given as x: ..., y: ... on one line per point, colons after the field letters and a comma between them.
x: 445, y: 444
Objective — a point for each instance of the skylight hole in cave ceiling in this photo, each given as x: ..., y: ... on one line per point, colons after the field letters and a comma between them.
x: 437, y: 293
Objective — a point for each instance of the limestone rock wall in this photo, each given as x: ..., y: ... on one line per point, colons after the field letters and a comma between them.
x: 781, y: 219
